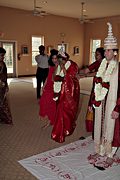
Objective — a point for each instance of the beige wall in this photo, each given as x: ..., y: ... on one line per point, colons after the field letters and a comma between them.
x: 99, y: 30
x: 20, y: 25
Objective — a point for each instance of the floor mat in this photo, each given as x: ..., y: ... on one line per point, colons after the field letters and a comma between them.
x: 69, y: 162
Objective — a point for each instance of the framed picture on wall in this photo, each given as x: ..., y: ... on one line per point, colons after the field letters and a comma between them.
x: 24, y: 50
x: 64, y: 46
x: 76, y: 50
x: 49, y: 49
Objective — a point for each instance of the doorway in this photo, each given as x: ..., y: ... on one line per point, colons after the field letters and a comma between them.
x: 10, y: 57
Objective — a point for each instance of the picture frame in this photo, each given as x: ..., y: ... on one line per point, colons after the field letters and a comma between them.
x: 65, y: 46
x: 24, y: 50
x: 49, y: 48
x: 76, y: 50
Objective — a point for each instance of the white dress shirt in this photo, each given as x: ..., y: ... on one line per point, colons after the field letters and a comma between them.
x: 42, y: 61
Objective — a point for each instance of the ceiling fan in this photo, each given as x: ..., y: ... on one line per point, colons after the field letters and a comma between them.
x: 37, y: 11
x: 83, y: 18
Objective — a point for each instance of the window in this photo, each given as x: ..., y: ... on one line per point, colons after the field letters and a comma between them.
x: 9, y: 57
x: 36, y: 42
x: 96, y: 43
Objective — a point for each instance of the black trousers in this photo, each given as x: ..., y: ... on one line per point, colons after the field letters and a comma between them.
x: 41, y: 76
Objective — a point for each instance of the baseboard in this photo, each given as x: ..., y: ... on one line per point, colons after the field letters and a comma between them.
x: 30, y: 75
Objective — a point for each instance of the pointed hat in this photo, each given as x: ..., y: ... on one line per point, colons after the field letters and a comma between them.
x: 62, y: 51
x: 110, y: 41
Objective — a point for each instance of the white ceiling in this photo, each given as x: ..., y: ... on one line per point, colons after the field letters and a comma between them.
x: 69, y: 8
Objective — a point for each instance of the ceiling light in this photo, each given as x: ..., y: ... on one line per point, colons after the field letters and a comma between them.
x: 44, y: 2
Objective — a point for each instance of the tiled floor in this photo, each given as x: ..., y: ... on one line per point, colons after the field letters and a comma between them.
x: 26, y: 137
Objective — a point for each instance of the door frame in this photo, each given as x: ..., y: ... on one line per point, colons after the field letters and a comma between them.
x: 14, y: 74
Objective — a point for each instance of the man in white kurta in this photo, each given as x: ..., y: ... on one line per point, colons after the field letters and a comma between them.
x: 105, y: 102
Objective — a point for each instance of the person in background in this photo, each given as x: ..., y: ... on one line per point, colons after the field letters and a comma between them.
x: 47, y: 104
x: 5, y: 114
x: 66, y: 95
x: 90, y: 71
x: 42, y: 69
x: 105, y: 103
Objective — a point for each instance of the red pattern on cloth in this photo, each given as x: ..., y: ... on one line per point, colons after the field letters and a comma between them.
x: 100, y: 161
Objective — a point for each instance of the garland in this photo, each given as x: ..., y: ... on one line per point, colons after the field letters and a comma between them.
x: 58, y: 80
x: 102, y: 81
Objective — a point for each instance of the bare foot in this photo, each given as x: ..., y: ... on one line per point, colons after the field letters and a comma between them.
x: 92, y: 158
x: 95, y: 156
x: 109, y: 161
x: 116, y: 159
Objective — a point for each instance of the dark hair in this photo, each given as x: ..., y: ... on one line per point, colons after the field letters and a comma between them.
x: 62, y: 57
x: 101, y: 51
x: 2, y: 50
x: 50, y: 62
x: 41, y: 47
x: 54, y: 51
x: 116, y: 50
x: 67, y: 55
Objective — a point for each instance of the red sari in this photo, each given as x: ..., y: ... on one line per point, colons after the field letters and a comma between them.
x: 67, y: 105
x: 47, y: 104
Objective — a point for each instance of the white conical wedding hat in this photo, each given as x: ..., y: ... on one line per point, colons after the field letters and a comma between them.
x: 62, y: 51
x: 110, y: 41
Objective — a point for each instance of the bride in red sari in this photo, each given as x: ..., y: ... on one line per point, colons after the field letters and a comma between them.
x: 66, y: 96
